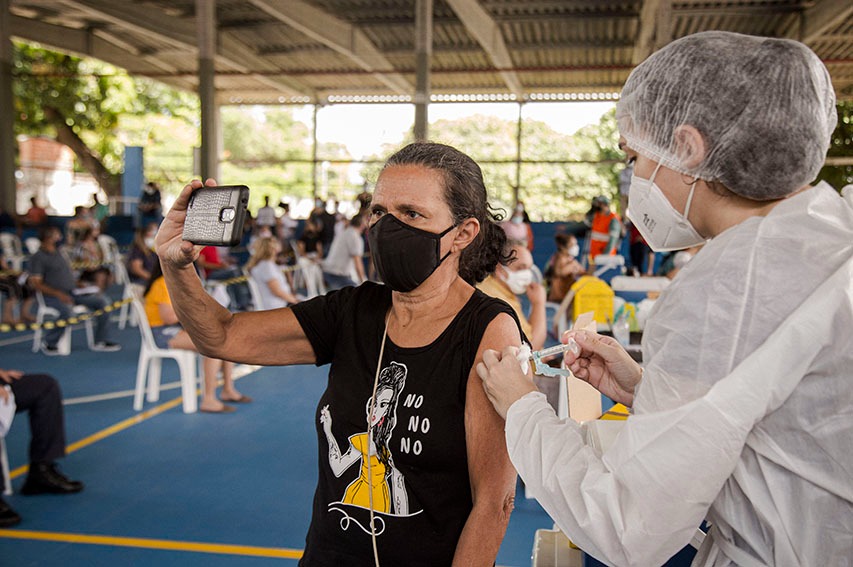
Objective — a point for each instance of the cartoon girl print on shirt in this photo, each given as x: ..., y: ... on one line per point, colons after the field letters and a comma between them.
x: 384, y: 481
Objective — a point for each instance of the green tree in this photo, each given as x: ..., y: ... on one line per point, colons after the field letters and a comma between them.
x: 168, y: 144
x: 551, y: 191
x: 563, y: 191
x: 80, y: 101
x: 269, y: 150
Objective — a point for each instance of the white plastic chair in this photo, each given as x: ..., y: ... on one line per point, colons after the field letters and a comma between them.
x: 127, y: 292
x: 254, y: 291
x: 4, y: 461
x: 112, y: 255
x: 44, y: 312
x: 607, y: 267
x: 150, y: 361
x: 109, y: 248
x: 13, y: 250
x: 309, y: 275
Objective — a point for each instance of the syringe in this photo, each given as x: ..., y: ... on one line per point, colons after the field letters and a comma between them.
x: 541, y: 367
x: 558, y: 349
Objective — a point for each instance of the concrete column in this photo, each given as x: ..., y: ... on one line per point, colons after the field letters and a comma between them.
x: 423, y: 53
x: 8, y: 185
x: 663, y: 27
x: 516, y: 190
x: 206, y: 21
x: 314, y: 153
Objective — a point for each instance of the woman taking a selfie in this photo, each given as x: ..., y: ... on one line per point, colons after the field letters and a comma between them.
x: 403, y: 398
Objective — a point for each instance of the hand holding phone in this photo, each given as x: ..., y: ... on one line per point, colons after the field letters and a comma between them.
x: 215, y: 215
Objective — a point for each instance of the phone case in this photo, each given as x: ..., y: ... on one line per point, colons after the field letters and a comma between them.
x: 215, y: 215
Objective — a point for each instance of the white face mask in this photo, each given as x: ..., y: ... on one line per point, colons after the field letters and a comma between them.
x: 518, y: 281
x: 574, y: 251
x: 661, y: 225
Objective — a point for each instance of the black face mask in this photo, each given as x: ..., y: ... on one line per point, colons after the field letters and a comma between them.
x: 404, y: 256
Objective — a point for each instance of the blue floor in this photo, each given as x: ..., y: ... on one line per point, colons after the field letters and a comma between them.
x: 243, y: 479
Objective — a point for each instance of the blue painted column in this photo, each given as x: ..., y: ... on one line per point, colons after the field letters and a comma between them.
x: 132, y: 179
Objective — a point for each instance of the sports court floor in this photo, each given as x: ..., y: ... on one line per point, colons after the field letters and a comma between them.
x: 168, y: 488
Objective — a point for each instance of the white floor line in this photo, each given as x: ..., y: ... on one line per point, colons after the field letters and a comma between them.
x: 28, y: 338
x: 240, y: 371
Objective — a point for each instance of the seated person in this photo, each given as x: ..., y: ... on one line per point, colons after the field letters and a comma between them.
x: 262, y: 268
x: 141, y: 257
x: 168, y: 333
x: 563, y: 269
x: 512, y: 279
x: 515, y: 278
x: 89, y: 254
x: 50, y: 274
x: 673, y: 263
x: 39, y: 394
x: 78, y: 225
x: 15, y: 291
x: 216, y: 265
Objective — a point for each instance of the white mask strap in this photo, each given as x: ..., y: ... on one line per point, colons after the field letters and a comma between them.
x: 689, y: 199
x: 655, y: 173
x: 370, y: 437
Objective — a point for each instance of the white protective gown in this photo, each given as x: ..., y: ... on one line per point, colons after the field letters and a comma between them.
x: 744, y: 415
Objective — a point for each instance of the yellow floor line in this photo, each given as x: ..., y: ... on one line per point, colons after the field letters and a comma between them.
x: 161, y: 544
x: 111, y: 430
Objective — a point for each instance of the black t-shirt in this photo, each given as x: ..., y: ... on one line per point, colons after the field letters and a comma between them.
x: 421, y: 489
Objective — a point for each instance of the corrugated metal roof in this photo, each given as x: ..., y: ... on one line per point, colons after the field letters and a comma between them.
x: 272, y: 51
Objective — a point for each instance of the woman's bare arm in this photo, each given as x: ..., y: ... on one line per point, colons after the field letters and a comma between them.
x: 136, y: 269
x: 492, y: 474
x: 280, y: 292
x: 261, y: 337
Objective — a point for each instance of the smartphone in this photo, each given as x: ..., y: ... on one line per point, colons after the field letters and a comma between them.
x: 215, y: 215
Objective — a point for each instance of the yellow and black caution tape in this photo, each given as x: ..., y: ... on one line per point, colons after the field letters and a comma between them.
x: 241, y: 279
x: 90, y: 265
x: 62, y: 323
x: 229, y: 281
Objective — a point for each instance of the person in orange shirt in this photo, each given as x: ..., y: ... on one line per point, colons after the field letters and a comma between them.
x: 36, y: 216
x: 605, y: 230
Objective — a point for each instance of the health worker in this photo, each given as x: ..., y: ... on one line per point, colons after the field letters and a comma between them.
x: 743, y: 412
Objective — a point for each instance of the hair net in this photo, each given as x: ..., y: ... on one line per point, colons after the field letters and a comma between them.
x: 765, y: 108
